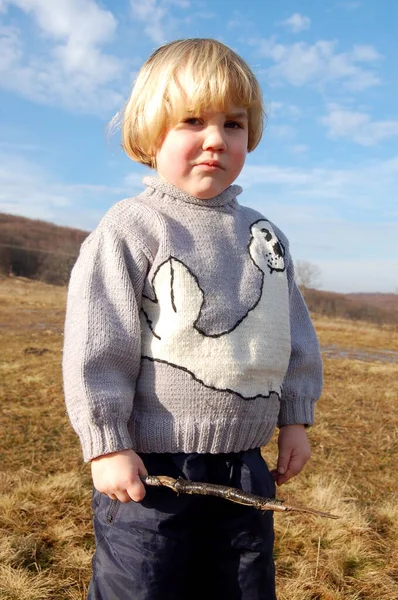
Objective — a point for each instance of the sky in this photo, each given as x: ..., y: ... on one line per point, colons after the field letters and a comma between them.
x: 325, y: 172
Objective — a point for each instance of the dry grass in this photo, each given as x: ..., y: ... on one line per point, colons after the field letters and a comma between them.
x: 356, y: 334
x: 46, y: 538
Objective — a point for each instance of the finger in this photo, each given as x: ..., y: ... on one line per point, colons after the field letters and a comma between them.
x: 274, y: 474
x: 283, y: 463
x: 281, y: 479
x: 136, y: 491
x: 122, y: 496
x: 142, y: 469
x: 294, y: 468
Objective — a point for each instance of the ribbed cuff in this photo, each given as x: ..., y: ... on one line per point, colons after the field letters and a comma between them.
x: 295, y: 411
x: 97, y: 441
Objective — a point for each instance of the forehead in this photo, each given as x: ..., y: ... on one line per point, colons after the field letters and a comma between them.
x: 235, y: 112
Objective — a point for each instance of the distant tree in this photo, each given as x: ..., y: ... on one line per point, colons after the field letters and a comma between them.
x: 308, y: 275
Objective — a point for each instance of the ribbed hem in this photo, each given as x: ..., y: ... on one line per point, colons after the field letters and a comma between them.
x: 97, y: 441
x: 203, y: 437
x: 296, y: 411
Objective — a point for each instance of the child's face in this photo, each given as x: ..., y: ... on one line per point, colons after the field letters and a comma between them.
x: 203, y: 154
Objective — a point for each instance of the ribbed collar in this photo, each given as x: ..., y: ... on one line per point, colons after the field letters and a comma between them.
x: 164, y: 187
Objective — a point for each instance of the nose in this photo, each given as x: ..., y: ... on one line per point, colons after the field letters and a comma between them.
x: 214, y: 138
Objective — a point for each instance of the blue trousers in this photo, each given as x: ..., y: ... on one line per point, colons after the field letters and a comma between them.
x: 187, y: 547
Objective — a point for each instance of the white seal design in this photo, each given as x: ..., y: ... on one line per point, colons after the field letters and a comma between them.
x: 252, y: 358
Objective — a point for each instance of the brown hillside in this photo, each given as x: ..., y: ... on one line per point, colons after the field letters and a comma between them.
x: 39, y: 235
x: 384, y: 301
x: 357, y: 307
x: 37, y: 249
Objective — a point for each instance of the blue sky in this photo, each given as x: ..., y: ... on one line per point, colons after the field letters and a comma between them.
x: 326, y: 171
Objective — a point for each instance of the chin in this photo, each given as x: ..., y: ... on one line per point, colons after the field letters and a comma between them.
x: 207, y: 193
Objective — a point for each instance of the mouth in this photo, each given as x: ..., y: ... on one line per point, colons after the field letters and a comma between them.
x: 210, y: 164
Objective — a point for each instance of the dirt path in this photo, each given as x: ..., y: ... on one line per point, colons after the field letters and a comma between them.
x: 386, y: 356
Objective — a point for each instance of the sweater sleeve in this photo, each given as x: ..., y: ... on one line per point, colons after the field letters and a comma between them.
x: 303, y: 382
x: 102, y: 344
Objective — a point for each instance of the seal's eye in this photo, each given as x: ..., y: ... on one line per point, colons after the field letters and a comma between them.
x: 267, y: 234
x: 278, y: 249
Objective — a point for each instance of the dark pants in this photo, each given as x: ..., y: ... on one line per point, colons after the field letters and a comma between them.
x: 187, y: 547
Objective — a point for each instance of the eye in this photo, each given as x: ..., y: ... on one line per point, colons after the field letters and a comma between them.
x: 267, y: 234
x: 192, y: 121
x: 279, y: 249
x: 233, y: 125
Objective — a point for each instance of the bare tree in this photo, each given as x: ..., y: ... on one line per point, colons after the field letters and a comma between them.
x: 308, y: 275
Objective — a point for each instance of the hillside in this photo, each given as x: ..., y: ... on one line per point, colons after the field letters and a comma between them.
x: 37, y: 249
x: 384, y: 301
x: 44, y: 251
x: 40, y: 235
x: 374, y: 308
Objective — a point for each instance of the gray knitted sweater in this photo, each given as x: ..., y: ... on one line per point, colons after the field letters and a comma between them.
x: 185, y: 330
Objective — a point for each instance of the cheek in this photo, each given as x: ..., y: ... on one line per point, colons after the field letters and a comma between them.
x: 172, y: 165
x: 238, y: 150
x: 239, y: 156
x: 177, y: 152
x: 186, y: 150
x: 178, y: 161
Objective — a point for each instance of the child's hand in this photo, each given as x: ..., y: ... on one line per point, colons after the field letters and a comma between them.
x: 118, y: 475
x: 294, y: 452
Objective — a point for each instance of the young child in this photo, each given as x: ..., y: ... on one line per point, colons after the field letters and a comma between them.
x: 187, y: 342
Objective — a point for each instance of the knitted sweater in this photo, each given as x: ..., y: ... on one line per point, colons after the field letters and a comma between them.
x: 185, y: 330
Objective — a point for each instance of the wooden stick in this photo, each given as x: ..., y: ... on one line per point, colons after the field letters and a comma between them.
x: 182, y: 486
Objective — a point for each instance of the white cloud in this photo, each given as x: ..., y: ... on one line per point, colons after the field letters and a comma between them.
x: 297, y: 23
x: 299, y: 149
x: 16, y: 147
x: 180, y: 3
x: 77, y: 22
x: 71, y: 70
x: 192, y: 17
x: 10, y: 48
x: 239, y: 21
x: 283, y: 132
x: 364, y: 53
x: 319, y: 64
x: 349, y: 5
x: 156, y: 17
x: 28, y: 189
x: 153, y: 15
x: 358, y: 187
x: 285, y: 109
x: 357, y: 126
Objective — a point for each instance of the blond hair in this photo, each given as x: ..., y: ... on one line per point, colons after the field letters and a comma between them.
x: 186, y: 75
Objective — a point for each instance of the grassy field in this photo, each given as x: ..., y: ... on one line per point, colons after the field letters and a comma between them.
x: 46, y: 539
